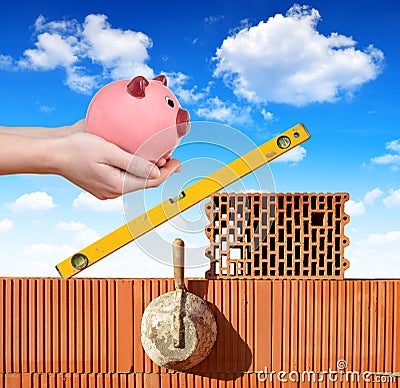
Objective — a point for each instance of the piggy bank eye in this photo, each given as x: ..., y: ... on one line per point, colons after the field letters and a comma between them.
x: 170, y: 102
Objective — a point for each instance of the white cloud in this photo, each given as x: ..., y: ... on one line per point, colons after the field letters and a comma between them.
x: 82, y: 234
x: 354, y: 208
x: 230, y: 113
x: 86, y: 236
x: 69, y: 44
x: 36, y: 201
x: 286, y: 60
x: 268, y: 116
x: 121, y: 53
x: 392, y: 158
x: 43, y: 249
x: 375, y: 257
x: 372, y: 195
x: 6, y: 62
x: 89, y: 201
x: 177, y: 82
x: 71, y: 226
x: 213, y: 19
x: 52, y: 51
x: 5, y: 225
x: 393, y: 200
x: 46, y: 109
x: 294, y: 156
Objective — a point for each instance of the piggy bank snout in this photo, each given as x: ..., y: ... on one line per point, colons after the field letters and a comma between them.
x: 183, y: 122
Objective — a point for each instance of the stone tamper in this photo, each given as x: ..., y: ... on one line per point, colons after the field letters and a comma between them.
x: 178, y: 328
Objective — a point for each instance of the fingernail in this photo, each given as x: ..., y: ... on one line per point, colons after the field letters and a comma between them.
x: 178, y: 169
x: 154, y: 172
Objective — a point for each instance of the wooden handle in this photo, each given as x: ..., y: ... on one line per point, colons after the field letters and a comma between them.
x: 178, y: 256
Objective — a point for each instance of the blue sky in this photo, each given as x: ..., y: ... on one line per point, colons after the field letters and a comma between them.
x: 257, y: 66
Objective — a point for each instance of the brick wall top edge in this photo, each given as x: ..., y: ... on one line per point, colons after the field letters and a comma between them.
x: 348, y: 280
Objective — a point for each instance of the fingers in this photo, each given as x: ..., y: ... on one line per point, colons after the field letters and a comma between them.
x: 133, y: 164
x: 133, y: 183
x: 172, y: 166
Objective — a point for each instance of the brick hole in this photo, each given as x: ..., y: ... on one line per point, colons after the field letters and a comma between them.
x: 313, y: 202
x: 256, y: 244
x: 281, y: 217
x: 264, y: 233
x: 281, y: 252
x: 305, y: 226
x: 317, y: 218
x: 297, y: 252
x: 297, y: 269
x: 272, y: 228
x: 264, y: 219
x: 224, y: 261
x: 321, y: 260
x: 321, y: 243
x: 248, y: 269
x: 264, y: 202
x: 330, y: 232
x: 337, y: 211
x: 297, y: 218
x: 329, y: 202
x: 280, y: 202
x: 314, y: 236
x: 256, y: 260
x: 313, y: 251
x: 224, y: 244
x: 289, y: 259
x: 305, y: 210
x: 281, y: 236
x: 232, y: 269
x: 247, y: 235
x: 248, y: 253
x: 289, y: 227
x: 329, y: 269
x: 297, y: 202
x: 306, y: 243
x: 256, y: 209
x: 313, y: 269
x: 272, y: 210
x: 256, y: 224
x: 297, y: 235
x: 264, y: 269
x: 272, y: 243
x: 288, y: 210
x: 289, y: 244
x: 330, y: 219
x: 281, y: 269
x: 272, y: 261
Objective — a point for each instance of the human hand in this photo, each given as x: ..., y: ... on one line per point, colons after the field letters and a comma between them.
x: 105, y: 170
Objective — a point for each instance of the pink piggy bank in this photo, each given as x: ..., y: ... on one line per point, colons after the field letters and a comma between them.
x: 141, y: 116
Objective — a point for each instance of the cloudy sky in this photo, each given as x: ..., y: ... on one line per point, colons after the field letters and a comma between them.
x: 258, y: 66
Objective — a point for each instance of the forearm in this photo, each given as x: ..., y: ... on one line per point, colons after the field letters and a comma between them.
x: 24, y: 154
x: 37, y: 132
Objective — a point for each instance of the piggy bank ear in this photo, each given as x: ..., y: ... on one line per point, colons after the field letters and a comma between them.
x: 136, y: 87
x: 162, y: 78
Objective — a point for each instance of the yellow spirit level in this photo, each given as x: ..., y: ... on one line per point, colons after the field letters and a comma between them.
x: 192, y: 195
